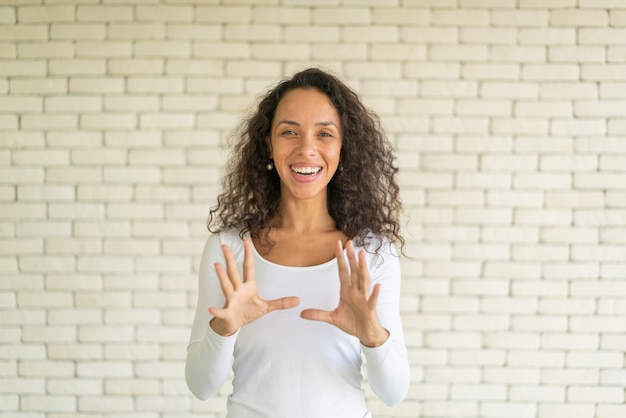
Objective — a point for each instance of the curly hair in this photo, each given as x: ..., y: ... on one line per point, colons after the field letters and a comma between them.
x: 363, y: 196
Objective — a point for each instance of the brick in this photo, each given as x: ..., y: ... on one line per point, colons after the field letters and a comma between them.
x: 443, y: 17
x: 136, y: 67
x: 77, y: 31
x: 22, y: 68
x: 518, y: 53
x: 167, y: 49
x: 281, y: 52
x: 574, y: 410
x: 104, y: 49
x: 606, y: 72
x: 617, y: 17
x: 168, y: 13
x: 136, y: 31
x: 599, y: 109
x: 579, y: 18
x: 569, y: 306
x: 34, y: 32
x: 46, y: 193
x: 510, y: 90
x: 43, y: 228
x: 284, y: 15
x: 578, y: 127
x: 576, y: 199
x: 82, y: 228
x: 7, y: 15
x: 104, y: 13
x: 520, y: 18
x: 576, y: 163
x: 108, y: 121
x: 73, y: 175
x: 428, y: 35
x: 194, y: 32
x: 131, y: 103
x: 41, y: 14
x: 492, y: 234
x: 464, y: 53
x: 511, y: 409
x: 73, y: 104
x: 603, y: 37
x: 34, y: 85
x: 223, y: 14
x: 43, y: 403
x: 378, y: 33
x: 221, y: 50
x: 556, y: 90
x: 549, y: 72
x: 96, y: 85
x: 74, y: 386
x: 46, y: 50
x: 491, y: 71
x: 577, y: 54
x: 549, y: 36
x: 258, y: 33
x: 616, y: 54
x: 489, y: 36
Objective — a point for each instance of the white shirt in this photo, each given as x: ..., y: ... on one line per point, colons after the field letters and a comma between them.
x: 288, y: 367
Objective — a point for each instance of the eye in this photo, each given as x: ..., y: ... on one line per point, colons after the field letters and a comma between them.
x: 326, y: 135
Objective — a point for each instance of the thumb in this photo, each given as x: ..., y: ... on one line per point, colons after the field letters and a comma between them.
x: 283, y: 303
x: 316, y: 315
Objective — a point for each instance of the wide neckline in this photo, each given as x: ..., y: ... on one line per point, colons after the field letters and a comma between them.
x: 258, y: 255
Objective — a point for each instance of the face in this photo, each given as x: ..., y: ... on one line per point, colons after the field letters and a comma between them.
x: 305, y: 143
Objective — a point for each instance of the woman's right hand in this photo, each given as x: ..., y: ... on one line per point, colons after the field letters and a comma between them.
x: 243, y: 303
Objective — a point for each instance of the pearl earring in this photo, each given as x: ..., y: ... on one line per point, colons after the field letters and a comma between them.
x: 270, y: 165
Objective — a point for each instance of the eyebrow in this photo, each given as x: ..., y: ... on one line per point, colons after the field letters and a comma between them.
x: 292, y: 122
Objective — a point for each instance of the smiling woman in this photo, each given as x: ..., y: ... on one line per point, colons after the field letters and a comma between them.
x: 301, y: 276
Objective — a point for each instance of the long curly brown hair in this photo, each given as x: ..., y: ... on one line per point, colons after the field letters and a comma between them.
x: 363, y: 196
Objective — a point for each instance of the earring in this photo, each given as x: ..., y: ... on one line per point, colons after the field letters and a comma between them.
x: 270, y: 165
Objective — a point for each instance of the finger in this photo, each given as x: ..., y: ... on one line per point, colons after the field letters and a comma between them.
x: 342, y: 266
x: 231, y: 267
x: 373, y: 300
x: 283, y: 303
x: 364, y: 274
x: 317, y: 315
x: 218, y: 312
x: 354, y: 265
x: 248, y: 261
x: 225, y: 283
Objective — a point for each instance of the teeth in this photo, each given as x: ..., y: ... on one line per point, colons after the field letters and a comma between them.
x: 306, y: 170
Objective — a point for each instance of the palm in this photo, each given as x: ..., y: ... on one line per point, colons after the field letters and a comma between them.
x: 355, y: 313
x: 243, y: 303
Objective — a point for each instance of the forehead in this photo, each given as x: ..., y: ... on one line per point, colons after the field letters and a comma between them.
x: 306, y: 103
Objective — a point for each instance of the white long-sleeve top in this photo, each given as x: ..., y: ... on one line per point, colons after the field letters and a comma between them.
x: 285, y: 366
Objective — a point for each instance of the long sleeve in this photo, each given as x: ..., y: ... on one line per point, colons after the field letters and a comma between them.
x: 209, y: 354
x: 388, y: 368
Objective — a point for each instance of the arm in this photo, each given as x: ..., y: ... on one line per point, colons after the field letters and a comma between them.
x: 208, y: 354
x: 369, y: 309
x: 387, y: 365
x: 227, y: 300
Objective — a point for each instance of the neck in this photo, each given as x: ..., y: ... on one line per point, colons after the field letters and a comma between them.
x: 304, y: 216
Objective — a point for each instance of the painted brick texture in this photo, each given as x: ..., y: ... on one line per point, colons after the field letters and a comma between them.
x: 508, y: 121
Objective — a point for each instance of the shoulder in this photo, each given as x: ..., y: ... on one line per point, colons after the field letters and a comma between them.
x: 379, y: 248
x: 229, y: 237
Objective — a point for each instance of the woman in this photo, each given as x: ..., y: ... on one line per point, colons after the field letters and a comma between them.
x: 300, y: 276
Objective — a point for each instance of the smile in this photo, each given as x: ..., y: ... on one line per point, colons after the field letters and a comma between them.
x: 305, y: 171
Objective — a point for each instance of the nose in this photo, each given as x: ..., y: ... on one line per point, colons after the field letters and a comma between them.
x: 308, y: 145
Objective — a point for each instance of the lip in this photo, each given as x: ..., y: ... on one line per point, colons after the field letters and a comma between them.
x: 305, y: 178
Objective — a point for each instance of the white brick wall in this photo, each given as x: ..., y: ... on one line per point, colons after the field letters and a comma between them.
x: 508, y: 119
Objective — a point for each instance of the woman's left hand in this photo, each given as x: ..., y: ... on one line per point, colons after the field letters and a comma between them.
x: 356, y: 312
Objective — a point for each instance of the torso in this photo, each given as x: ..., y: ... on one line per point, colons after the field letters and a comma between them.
x: 300, y: 250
